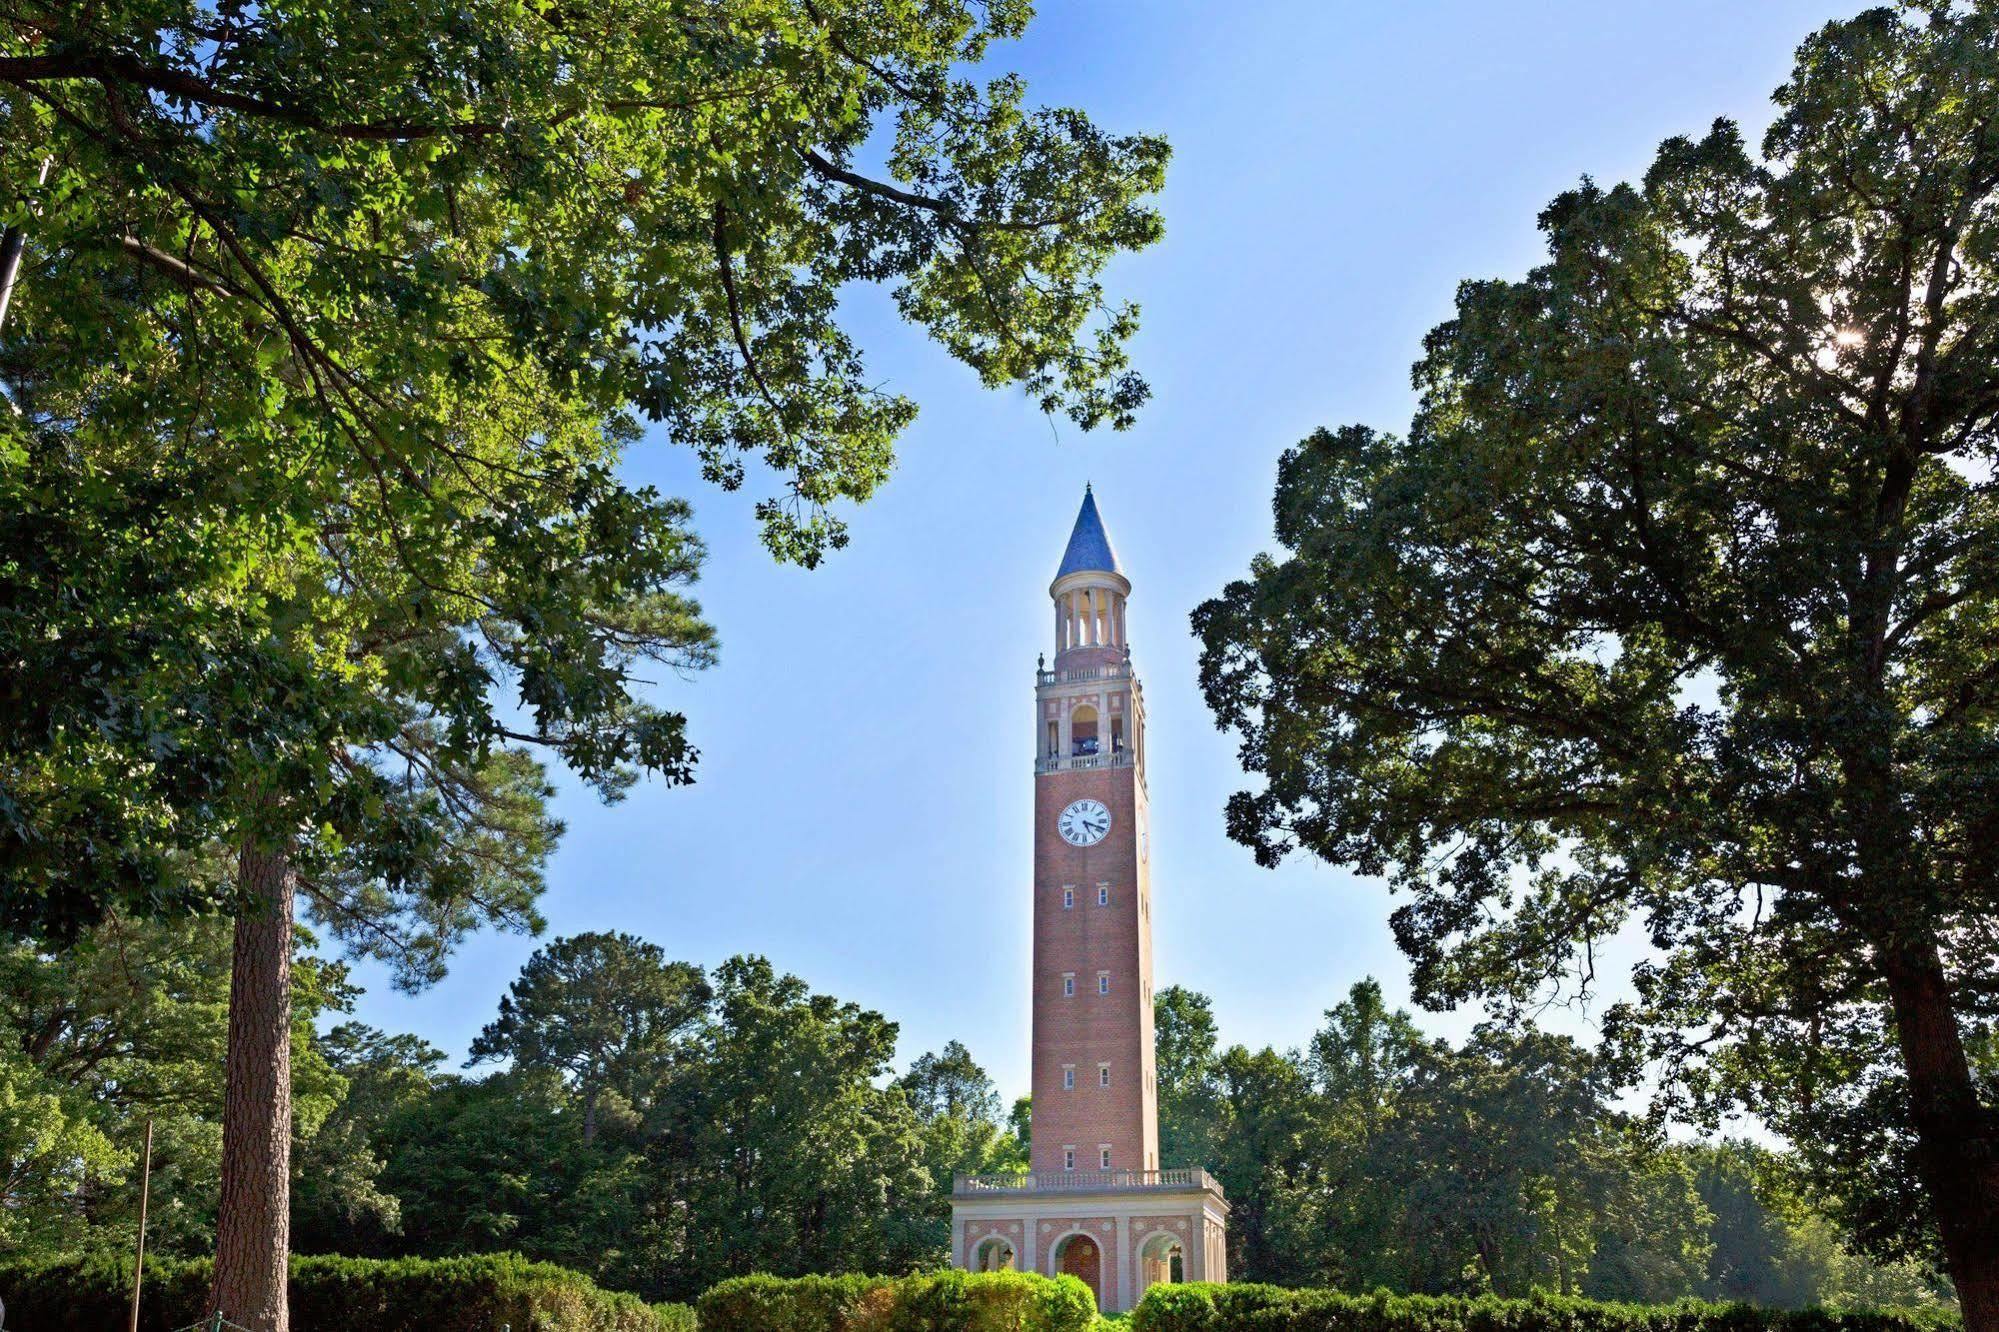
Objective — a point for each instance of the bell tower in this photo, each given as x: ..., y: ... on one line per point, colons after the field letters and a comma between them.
x: 1096, y: 1203
x: 1093, y: 1084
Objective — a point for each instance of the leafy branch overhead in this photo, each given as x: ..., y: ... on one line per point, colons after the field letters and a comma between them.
x: 644, y: 207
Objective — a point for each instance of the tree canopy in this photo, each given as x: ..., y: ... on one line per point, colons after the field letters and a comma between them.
x: 1674, y: 613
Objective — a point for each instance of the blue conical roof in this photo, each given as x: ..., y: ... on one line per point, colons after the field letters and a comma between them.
x: 1089, y: 544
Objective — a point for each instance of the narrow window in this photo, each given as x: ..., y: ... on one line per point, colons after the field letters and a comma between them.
x: 1068, y: 897
x: 1103, y: 982
x: 1103, y: 1156
x: 1103, y: 894
x: 1103, y: 1075
x: 1068, y: 1158
x: 1068, y: 984
x: 1068, y: 1077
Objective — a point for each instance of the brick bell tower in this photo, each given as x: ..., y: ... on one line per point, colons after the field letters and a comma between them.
x: 1095, y: 1106
x: 1096, y: 1203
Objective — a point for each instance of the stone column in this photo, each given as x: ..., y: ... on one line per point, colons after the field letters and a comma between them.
x: 1125, y: 1296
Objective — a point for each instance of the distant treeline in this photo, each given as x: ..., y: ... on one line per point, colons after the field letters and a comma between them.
x: 662, y: 1127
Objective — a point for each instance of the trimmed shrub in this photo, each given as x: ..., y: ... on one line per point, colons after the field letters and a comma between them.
x: 676, y: 1317
x: 1198, y: 1307
x: 394, y: 1295
x: 933, y: 1302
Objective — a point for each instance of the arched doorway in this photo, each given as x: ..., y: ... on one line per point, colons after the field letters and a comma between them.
x: 1161, y: 1260
x: 1078, y: 1256
x: 993, y: 1255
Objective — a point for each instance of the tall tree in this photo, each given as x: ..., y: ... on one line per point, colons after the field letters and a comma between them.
x: 962, y: 1130
x: 331, y: 329
x: 781, y: 1145
x: 605, y: 1011
x: 1361, y: 1062
x: 1676, y: 606
x: 1186, y: 1048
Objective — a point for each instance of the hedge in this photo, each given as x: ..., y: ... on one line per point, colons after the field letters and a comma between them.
x: 1199, y: 1307
x: 391, y: 1295
x: 933, y: 1302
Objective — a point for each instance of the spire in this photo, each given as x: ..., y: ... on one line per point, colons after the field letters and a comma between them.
x: 1089, y: 545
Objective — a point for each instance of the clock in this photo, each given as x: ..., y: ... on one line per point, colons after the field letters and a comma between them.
x: 1084, y: 823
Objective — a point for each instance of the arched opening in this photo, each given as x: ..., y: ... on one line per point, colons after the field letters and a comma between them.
x: 1078, y: 1256
x: 993, y: 1255
x: 1161, y: 1259
x: 1083, y: 730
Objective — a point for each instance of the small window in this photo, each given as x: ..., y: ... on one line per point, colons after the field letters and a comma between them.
x: 1103, y: 982
x: 1068, y: 1158
x: 1068, y: 984
x: 1068, y: 898
x: 1103, y: 894
x: 1104, y: 1157
x: 1103, y: 1075
x: 1068, y: 1077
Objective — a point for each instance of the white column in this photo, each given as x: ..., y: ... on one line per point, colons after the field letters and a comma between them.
x: 1126, y: 1297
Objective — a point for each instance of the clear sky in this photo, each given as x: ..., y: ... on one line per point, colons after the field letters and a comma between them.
x: 862, y: 812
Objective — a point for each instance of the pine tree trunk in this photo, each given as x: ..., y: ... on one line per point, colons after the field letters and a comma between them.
x: 1957, y: 1138
x: 253, y: 1227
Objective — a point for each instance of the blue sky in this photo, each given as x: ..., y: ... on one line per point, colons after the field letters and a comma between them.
x: 862, y: 813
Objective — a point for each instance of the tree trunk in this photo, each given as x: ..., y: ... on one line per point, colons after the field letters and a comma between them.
x: 253, y: 1227
x: 1957, y: 1138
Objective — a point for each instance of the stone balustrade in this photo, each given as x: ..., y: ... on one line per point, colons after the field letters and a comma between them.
x: 1057, y: 1181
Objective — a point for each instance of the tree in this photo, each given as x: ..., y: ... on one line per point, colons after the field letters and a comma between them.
x: 1361, y: 1062
x: 1185, y: 1044
x: 605, y: 1011
x: 1675, y: 608
x: 339, y: 1203
x: 130, y: 1024
x: 1267, y: 1158
x: 780, y: 1145
x: 330, y: 333
x: 962, y: 1131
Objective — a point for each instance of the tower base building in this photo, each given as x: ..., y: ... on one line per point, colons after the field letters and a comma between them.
x: 1096, y: 1203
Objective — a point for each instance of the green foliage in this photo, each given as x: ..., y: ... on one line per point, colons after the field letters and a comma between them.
x: 128, y: 1025
x: 1247, y: 1307
x: 961, y: 1129
x: 606, y: 1011
x: 399, y: 1295
x: 782, y: 1145
x: 1381, y: 1159
x: 1675, y: 610
x: 938, y: 1302
x: 331, y: 333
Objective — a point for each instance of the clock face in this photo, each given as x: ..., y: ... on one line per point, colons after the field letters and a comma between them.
x: 1084, y: 823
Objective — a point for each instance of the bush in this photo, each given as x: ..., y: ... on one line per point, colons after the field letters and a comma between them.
x: 394, y: 1295
x: 1249, y: 1308
x: 676, y: 1317
x: 934, y: 1302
